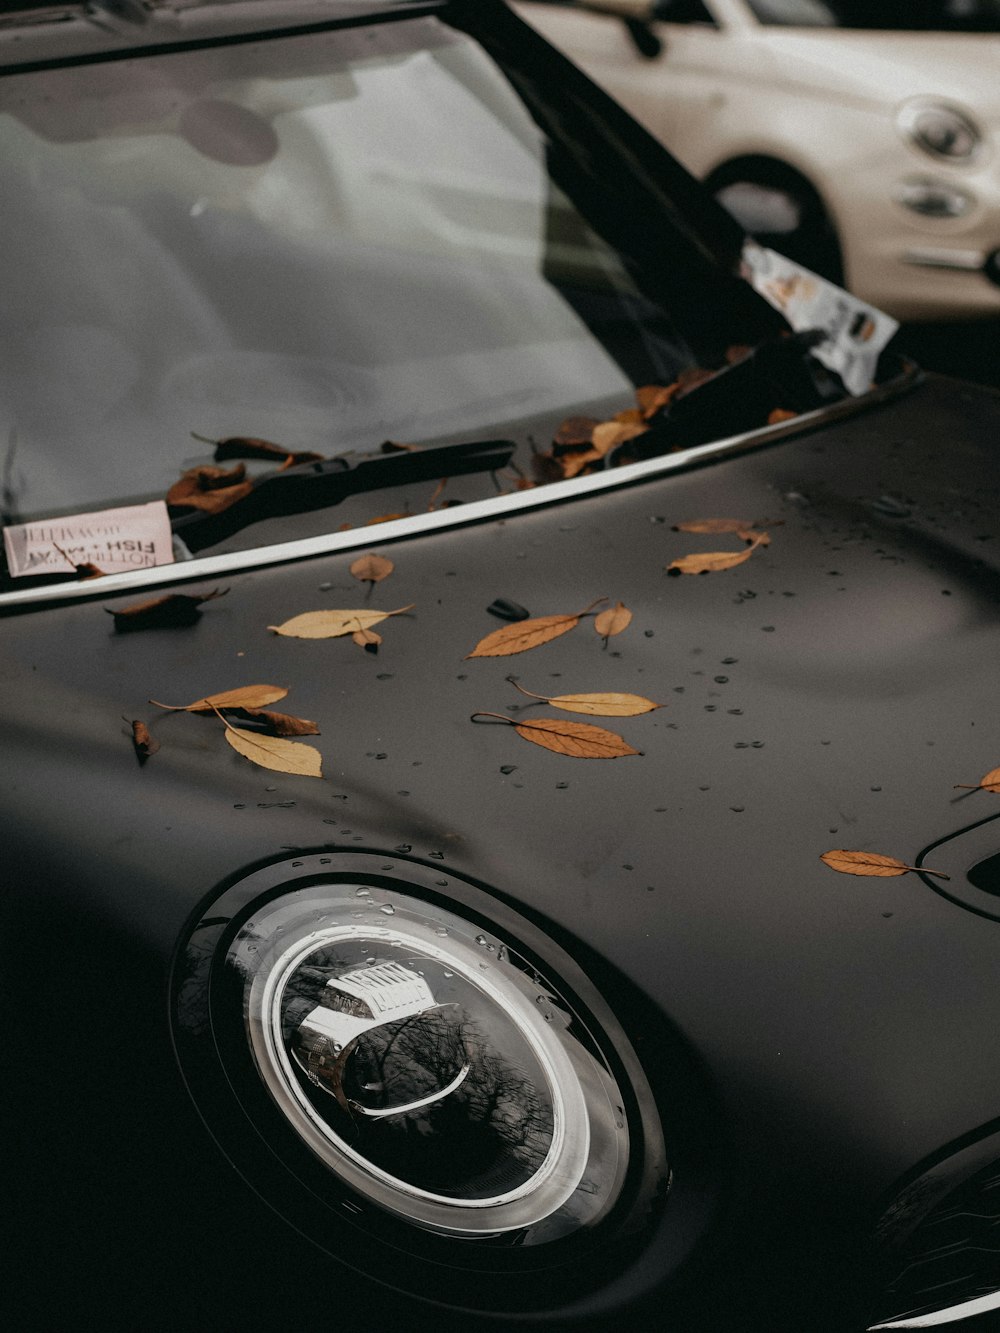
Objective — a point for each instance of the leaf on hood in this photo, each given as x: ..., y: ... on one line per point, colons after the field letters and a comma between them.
x: 612, y: 621
x: 579, y: 740
x: 274, y: 752
x: 246, y: 696
x: 211, y: 489
x: 779, y: 414
x: 652, y: 398
x: 574, y: 432
x: 280, y: 724
x: 991, y: 782
x: 174, y: 610
x: 631, y: 416
x: 573, y: 463
x: 333, y: 624
x: 245, y: 446
x: 740, y: 525
x: 525, y: 634
x: 144, y: 743
x: 372, y: 568
x: 872, y: 863
x: 609, y: 434
x: 384, y: 518
x: 711, y: 562
x: 368, y: 639
x: 596, y: 705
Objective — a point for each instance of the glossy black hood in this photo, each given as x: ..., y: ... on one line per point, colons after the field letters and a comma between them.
x: 828, y: 693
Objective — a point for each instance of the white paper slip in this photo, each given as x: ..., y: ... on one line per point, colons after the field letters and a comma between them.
x: 115, y: 541
x: 856, y: 332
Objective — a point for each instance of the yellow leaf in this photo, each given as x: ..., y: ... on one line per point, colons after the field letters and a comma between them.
x: 652, y: 397
x: 711, y: 562
x: 332, y: 624
x: 715, y: 525
x: 273, y: 752
x: 991, y: 782
x: 247, y: 696
x: 372, y: 568
x: 871, y: 863
x: 613, y: 621
x: 609, y: 434
x: 525, y: 634
x: 579, y: 740
x: 597, y: 705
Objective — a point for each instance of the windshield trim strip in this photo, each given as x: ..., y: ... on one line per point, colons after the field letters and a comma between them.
x: 477, y: 511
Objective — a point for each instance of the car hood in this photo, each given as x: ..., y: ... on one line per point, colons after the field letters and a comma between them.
x: 827, y: 693
x: 885, y: 68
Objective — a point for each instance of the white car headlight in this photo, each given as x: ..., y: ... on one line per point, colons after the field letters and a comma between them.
x: 940, y: 130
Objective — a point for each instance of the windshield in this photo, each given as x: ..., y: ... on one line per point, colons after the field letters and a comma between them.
x: 886, y: 15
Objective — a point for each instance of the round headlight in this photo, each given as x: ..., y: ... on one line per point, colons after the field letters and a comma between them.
x: 942, y: 131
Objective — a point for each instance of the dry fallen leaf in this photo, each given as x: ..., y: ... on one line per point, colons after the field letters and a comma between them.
x: 172, y: 611
x: 372, y: 568
x: 273, y: 752
x: 368, y: 639
x: 246, y: 446
x: 525, y: 634
x: 609, y: 434
x: 652, y: 397
x: 579, y: 740
x: 574, y: 432
x: 281, y: 724
x: 710, y: 562
x: 597, y: 705
x: 872, y: 863
x: 991, y: 782
x: 333, y: 624
x: 246, y: 696
x: 211, y: 489
x: 780, y: 414
x: 384, y: 518
x: 612, y: 621
x: 740, y: 525
x: 144, y: 743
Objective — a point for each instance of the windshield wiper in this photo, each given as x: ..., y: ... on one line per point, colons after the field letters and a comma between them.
x: 309, y: 486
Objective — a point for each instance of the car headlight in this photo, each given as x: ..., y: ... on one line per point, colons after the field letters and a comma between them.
x: 940, y: 130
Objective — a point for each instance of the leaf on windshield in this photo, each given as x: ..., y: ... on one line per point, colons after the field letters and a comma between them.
x: 652, y: 398
x: 145, y: 744
x: 174, y: 610
x: 372, y: 568
x: 711, y: 562
x: 246, y: 446
x: 280, y: 724
x: 991, y: 782
x: 578, y: 740
x: 274, y: 752
x: 612, y: 621
x: 526, y: 634
x: 872, y: 863
x: 211, y: 489
x: 333, y: 624
x: 246, y: 696
x: 595, y: 705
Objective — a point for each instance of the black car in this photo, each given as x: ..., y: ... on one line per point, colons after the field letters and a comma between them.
x: 499, y: 747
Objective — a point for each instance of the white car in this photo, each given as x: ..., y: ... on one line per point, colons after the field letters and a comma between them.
x: 860, y: 137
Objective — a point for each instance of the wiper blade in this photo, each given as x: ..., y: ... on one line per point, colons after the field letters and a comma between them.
x: 309, y: 486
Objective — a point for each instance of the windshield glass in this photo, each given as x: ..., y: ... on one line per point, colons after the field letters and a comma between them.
x: 887, y: 15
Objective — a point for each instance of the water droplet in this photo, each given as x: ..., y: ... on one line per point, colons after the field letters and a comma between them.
x: 402, y: 793
x: 404, y: 847
x: 721, y: 680
x: 325, y: 587
x: 648, y: 633
x: 324, y: 860
x: 270, y: 789
x: 436, y: 856
x: 449, y: 974
x: 757, y: 745
x: 730, y: 661
x: 678, y: 689
x: 441, y: 883
x: 562, y: 785
x: 876, y: 789
x: 741, y: 745
x: 442, y: 931
x: 240, y: 805
x: 737, y: 809
x: 387, y: 909
x: 736, y: 712
x: 362, y: 893
x: 705, y: 788
x: 388, y: 866
x: 767, y: 629
x: 296, y: 864
x: 508, y: 768
x: 710, y: 708
x: 887, y: 915
x: 481, y: 940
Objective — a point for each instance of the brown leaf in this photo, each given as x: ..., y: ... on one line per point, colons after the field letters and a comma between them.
x: 573, y: 463
x: 738, y: 352
x: 384, y: 518
x: 85, y: 571
x: 368, y: 639
x: 872, y: 863
x: 333, y: 624
x: 690, y: 379
x: 274, y: 752
x: 525, y: 634
x: 711, y: 562
x: 652, y: 398
x: 609, y: 434
x: 174, y: 610
x: 144, y: 743
x: 780, y: 414
x: 246, y: 696
x: 631, y: 416
x: 579, y: 740
x: 395, y: 447
x: 596, y: 705
x: 612, y: 621
x: 739, y: 525
x: 991, y: 782
x: 245, y: 446
x: 211, y: 489
x: 372, y: 568
x: 574, y: 432
x: 281, y: 724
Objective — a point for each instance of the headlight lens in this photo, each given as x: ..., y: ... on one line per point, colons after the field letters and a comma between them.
x: 429, y: 1070
x: 942, y: 131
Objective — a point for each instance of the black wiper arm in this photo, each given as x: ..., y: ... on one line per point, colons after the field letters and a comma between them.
x: 309, y: 486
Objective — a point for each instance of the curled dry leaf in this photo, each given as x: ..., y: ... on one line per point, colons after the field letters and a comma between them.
x: 384, y: 518
x: 612, y: 621
x: 652, y: 398
x: 274, y: 752
x: 246, y: 446
x: 211, y: 489
x: 739, y: 525
x: 144, y: 743
x: 247, y: 696
x: 368, y: 639
x: 579, y: 740
x: 174, y: 610
x: 991, y: 782
x: 711, y: 562
x: 872, y: 863
x: 574, y: 432
x: 525, y: 634
x: 372, y: 568
x: 609, y: 434
x: 281, y: 724
x: 779, y: 414
x: 596, y: 705
x: 333, y: 624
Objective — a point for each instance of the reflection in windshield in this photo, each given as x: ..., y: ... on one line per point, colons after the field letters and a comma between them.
x: 885, y: 15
